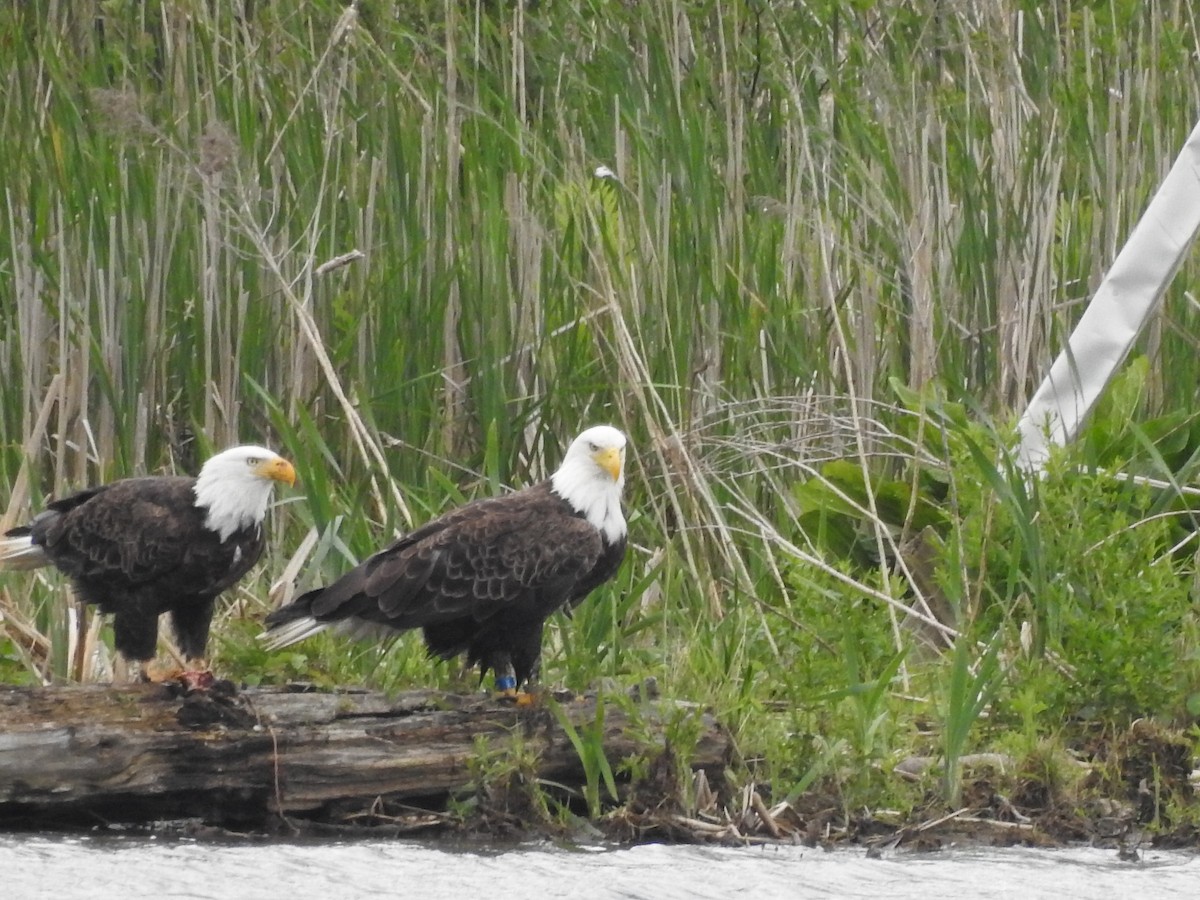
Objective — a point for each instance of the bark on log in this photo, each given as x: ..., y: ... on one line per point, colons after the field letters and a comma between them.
x: 91, y: 754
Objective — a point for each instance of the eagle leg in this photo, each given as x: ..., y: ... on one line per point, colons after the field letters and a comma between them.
x: 506, y: 682
x: 191, y: 622
x: 506, y: 678
x: 507, y: 690
x: 195, y: 675
x: 527, y: 663
x: 158, y: 672
x: 129, y: 670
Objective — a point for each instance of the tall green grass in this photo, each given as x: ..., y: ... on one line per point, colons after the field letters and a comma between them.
x: 840, y: 237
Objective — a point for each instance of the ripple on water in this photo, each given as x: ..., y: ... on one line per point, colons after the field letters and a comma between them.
x: 122, y: 867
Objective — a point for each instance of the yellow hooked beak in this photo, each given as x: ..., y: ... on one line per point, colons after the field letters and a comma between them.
x: 277, y: 469
x: 610, y: 460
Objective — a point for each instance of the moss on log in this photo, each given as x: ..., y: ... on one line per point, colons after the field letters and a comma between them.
x: 91, y: 755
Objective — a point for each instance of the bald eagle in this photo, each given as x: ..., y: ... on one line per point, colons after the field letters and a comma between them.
x: 483, y: 578
x: 140, y: 547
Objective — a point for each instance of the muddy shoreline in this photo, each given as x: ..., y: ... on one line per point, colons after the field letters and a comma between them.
x: 1122, y: 789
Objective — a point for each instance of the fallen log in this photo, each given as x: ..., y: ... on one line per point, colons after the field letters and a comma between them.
x: 88, y: 755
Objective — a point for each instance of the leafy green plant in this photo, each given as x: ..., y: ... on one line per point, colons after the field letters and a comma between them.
x: 974, y: 679
x: 588, y: 741
x: 503, y: 785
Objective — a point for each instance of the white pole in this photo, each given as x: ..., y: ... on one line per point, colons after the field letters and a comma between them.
x: 1122, y: 305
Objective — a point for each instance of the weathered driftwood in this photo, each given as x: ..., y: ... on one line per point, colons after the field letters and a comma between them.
x: 82, y: 755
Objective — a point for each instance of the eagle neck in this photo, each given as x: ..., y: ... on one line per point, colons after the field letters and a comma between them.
x: 597, y: 500
x: 231, y: 507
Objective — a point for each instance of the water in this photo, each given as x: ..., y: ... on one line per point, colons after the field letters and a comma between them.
x: 107, y: 867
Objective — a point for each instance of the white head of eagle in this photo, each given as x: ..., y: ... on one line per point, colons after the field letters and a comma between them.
x: 235, y: 487
x: 592, y: 476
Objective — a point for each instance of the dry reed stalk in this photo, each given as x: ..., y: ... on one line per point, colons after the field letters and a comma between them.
x: 453, y: 367
x: 19, y: 497
x: 34, y: 645
x: 97, y: 666
x: 851, y: 379
x: 280, y: 592
x: 683, y: 476
x: 527, y: 240
x: 241, y: 212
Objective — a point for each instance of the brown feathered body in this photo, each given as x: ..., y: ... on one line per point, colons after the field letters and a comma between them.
x: 141, y: 547
x: 138, y: 548
x: 480, y: 580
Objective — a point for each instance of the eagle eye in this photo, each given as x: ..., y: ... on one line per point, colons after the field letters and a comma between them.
x: 252, y: 460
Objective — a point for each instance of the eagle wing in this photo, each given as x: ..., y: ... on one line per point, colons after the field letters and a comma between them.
x: 475, y: 561
x: 130, y: 529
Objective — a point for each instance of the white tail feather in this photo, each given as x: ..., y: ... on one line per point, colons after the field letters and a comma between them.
x: 20, y: 553
x: 297, y: 630
x: 291, y: 632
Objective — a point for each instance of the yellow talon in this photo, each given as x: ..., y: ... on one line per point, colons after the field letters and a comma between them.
x: 157, y: 672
